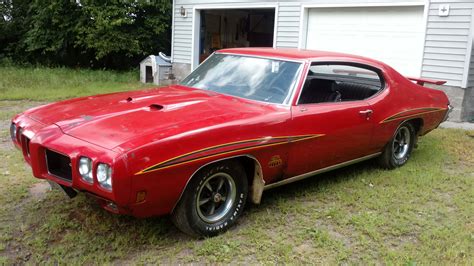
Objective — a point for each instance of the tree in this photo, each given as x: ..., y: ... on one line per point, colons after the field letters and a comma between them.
x: 13, y: 24
x: 116, y: 34
x: 128, y: 27
x: 51, y: 36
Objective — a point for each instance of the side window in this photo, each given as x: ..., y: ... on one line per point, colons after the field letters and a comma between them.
x: 337, y: 82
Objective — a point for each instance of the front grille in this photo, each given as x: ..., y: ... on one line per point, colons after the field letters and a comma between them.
x: 59, y: 165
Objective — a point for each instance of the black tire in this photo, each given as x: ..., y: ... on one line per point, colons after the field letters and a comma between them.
x: 394, y: 154
x: 195, y: 216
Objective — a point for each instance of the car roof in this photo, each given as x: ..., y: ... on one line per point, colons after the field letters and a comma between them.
x: 298, y: 54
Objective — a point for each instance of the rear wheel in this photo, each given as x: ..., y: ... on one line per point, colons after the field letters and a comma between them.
x: 397, y: 152
x: 213, y: 200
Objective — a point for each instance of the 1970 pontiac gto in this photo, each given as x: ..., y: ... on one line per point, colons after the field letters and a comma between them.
x: 244, y: 121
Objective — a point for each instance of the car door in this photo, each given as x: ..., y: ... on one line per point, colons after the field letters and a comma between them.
x: 333, y: 113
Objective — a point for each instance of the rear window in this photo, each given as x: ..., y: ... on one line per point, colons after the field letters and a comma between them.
x: 346, y: 72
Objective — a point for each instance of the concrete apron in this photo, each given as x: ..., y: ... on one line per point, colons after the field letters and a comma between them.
x: 459, y: 125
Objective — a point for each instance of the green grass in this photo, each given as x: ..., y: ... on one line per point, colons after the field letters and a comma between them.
x: 39, y: 83
x: 422, y: 213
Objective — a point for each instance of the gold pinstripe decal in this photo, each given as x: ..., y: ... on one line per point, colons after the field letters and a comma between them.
x: 280, y: 140
x: 400, y: 115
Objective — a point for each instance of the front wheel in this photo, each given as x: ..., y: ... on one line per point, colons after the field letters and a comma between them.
x: 213, y: 200
x: 397, y: 152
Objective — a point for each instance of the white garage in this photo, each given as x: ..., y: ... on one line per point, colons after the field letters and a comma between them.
x: 394, y: 35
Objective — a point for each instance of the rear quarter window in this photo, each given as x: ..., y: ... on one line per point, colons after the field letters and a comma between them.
x: 336, y: 82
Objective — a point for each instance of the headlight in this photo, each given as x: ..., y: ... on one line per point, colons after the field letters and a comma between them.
x: 13, y: 131
x: 104, y: 176
x: 85, y: 169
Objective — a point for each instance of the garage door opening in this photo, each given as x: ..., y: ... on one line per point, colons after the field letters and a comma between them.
x: 230, y: 28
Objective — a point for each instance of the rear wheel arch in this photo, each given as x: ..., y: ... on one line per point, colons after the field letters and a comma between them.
x: 417, y: 123
x: 389, y: 158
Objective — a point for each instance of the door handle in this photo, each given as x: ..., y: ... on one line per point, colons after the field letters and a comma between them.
x: 367, y: 113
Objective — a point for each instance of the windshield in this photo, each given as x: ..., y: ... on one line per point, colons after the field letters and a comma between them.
x: 260, y: 79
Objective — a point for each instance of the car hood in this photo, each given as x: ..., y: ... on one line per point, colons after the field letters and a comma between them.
x: 111, y: 120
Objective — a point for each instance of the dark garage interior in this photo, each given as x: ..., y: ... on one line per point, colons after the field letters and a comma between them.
x: 230, y: 28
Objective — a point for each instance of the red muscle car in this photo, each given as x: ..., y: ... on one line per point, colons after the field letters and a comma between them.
x: 244, y: 121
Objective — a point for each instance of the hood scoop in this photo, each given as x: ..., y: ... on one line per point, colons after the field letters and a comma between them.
x: 155, y: 107
x: 151, y: 107
x: 127, y: 100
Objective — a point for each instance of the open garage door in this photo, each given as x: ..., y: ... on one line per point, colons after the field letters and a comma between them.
x: 394, y: 35
x: 230, y: 28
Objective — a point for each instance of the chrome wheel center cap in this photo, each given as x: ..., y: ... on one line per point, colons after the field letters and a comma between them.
x: 217, y: 197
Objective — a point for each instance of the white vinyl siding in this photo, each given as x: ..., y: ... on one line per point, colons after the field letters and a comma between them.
x: 288, y: 27
x: 182, y: 34
x: 470, y: 80
x: 447, y: 42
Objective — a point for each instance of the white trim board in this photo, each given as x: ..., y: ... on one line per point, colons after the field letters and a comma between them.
x: 425, y: 26
x: 467, y: 60
x: 311, y: 5
x: 172, y: 30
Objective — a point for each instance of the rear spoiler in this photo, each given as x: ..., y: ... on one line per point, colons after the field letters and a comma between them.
x: 422, y: 81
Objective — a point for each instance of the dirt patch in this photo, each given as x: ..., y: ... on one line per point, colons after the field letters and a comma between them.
x: 15, y: 105
x: 38, y: 191
x: 5, y: 140
x: 7, y: 110
x: 304, y: 248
